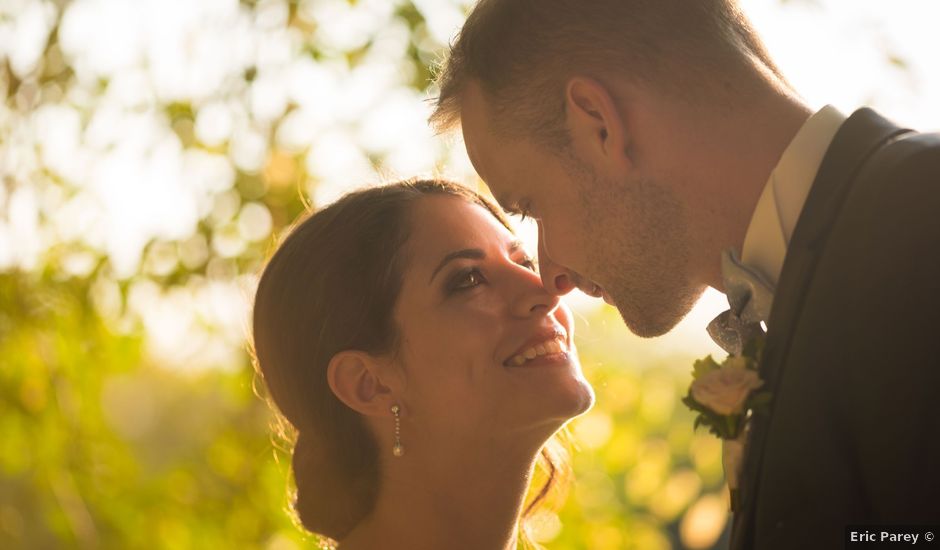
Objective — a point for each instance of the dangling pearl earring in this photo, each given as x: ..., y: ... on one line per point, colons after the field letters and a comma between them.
x: 397, y: 449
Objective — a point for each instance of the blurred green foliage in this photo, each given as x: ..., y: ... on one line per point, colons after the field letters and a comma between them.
x: 102, y: 449
x: 104, y: 445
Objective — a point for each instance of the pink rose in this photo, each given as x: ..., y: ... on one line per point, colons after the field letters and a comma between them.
x: 725, y: 390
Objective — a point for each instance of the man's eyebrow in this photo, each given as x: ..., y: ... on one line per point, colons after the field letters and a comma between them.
x: 471, y: 253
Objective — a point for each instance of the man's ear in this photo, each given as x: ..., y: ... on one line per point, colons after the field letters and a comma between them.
x: 598, y: 129
x: 356, y: 379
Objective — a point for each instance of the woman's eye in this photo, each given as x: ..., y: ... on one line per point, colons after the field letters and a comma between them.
x: 530, y: 263
x: 468, y: 279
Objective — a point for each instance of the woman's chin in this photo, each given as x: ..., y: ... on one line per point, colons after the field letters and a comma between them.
x: 568, y: 401
x: 546, y: 396
x: 582, y: 398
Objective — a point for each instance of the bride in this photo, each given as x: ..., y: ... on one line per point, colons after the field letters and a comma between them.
x: 405, y: 334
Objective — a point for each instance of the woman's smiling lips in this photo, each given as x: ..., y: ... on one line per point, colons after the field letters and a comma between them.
x: 549, y: 345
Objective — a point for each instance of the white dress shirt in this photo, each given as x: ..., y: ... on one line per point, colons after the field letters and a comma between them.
x: 780, y: 204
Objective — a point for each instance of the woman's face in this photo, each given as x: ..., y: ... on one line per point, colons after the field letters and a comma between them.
x: 486, y: 352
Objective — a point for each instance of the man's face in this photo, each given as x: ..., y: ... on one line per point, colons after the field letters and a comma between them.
x: 623, y: 237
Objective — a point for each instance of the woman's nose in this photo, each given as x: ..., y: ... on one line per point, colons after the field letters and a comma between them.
x: 531, y: 296
x: 557, y: 279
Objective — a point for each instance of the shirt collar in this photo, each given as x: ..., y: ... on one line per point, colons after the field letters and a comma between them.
x: 779, y: 206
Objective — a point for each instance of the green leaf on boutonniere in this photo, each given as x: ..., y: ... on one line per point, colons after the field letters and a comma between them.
x: 759, y: 401
x: 754, y: 347
x: 724, y: 427
x: 691, y: 403
x: 704, y: 366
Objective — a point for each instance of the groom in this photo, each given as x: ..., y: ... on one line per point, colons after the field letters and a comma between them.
x: 649, y: 137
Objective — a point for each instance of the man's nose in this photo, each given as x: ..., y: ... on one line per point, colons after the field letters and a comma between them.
x: 557, y: 279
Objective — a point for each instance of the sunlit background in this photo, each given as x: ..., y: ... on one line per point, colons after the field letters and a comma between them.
x: 150, y: 151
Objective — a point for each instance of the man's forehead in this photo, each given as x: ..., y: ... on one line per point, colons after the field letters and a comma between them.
x: 473, y: 104
x: 484, y: 149
x: 473, y: 122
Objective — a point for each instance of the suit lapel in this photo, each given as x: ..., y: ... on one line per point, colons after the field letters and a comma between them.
x: 857, y: 139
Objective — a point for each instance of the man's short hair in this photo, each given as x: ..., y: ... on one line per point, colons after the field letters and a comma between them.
x: 522, y: 52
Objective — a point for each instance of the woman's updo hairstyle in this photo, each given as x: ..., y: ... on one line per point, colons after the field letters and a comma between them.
x: 331, y: 286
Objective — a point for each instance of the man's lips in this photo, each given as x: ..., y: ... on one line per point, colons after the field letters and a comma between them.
x: 594, y: 290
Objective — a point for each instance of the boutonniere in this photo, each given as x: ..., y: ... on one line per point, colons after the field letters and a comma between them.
x: 725, y: 395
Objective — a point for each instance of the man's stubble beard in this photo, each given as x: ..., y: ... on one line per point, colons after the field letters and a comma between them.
x: 641, y: 251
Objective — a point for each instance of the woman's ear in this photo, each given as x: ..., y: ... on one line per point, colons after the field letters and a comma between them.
x: 356, y: 379
x: 598, y: 130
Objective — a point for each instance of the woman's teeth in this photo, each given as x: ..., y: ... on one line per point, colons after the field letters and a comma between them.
x: 545, y: 348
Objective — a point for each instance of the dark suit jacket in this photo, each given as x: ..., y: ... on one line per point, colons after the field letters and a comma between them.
x: 853, y: 351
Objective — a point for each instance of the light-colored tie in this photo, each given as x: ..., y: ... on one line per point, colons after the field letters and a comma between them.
x: 750, y: 297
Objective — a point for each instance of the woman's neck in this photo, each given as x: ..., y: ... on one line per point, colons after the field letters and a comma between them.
x: 429, y: 501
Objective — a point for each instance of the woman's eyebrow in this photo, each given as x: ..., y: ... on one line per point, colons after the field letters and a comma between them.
x: 471, y: 253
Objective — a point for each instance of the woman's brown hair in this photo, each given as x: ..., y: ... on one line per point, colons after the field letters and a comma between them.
x: 332, y: 285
